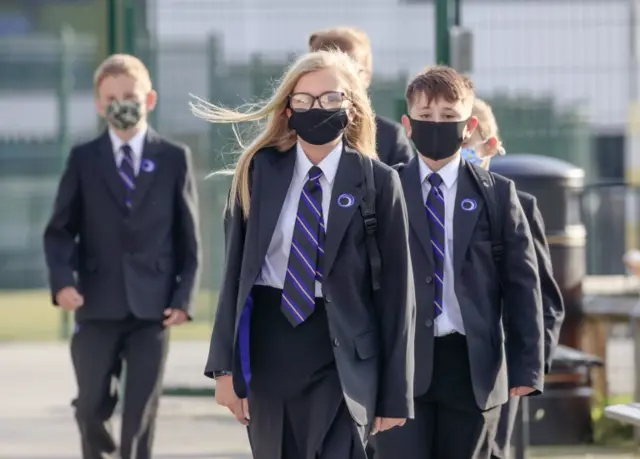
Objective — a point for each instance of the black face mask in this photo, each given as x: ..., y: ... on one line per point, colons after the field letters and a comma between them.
x: 318, y: 126
x: 437, y: 141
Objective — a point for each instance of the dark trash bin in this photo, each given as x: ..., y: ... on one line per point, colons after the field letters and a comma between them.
x: 562, y: 414
x: 558, y: 187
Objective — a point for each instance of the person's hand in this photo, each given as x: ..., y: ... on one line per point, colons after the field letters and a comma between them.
x: 520, y: 391
x: 174, y: 317
x: 69, y: 299
x: 382, y: 424
x: 226, y: 396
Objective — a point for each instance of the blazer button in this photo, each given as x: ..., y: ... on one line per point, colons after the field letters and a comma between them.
x: 429, y: 279
x: 428, y: 323
x: 336, y: 343
x: 327, y: 298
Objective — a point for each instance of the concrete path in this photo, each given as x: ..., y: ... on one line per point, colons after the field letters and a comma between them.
x: 36, y: 420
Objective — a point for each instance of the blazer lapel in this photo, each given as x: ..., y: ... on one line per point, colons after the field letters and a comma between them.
x: 109, y: 170
x: 272, y: 193
x: 348, y: 183
x: 469, y: 204
x: 416, y: 205
x: 148, y: 166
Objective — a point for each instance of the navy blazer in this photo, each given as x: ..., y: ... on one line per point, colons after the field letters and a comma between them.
x: 372, y: 335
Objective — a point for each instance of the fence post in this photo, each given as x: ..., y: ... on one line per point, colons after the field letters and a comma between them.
x: 448, y: 13
x: 67, y: 41
x: 112, y: 27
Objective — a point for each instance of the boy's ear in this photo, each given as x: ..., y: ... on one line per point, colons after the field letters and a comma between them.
x: 152, y: 100
x: 99, y: 107
x: 472, y: 124
x: 406, y: 124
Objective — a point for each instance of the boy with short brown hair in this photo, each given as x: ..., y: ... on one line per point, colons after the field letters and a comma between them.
x: 463, y: 373
x: 392, y: 144
x: 122, y: 249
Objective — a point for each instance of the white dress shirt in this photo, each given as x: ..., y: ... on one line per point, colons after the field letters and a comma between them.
x: 276, y: 261
x: 136, y: 143
x: 450, y: 320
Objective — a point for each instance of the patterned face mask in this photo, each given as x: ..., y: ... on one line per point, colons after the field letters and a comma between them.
x: 124, y: 114
x: 470, y: 155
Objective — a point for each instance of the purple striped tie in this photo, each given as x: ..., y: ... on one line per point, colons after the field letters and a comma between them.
x: 435, y: 214
x: 307, y: 252
x: 127, y: 173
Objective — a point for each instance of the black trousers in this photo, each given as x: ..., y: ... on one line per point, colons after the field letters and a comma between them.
x: 98, y: 350
x: 448, y: 423
x: 296, y: 403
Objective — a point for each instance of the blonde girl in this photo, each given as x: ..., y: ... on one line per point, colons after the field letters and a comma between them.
x: 485, y: 141
x: 484, y: 145
x: 302, y: 350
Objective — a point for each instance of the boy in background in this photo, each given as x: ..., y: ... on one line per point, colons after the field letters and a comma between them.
x: 392, y: 144
x: 123, y: 253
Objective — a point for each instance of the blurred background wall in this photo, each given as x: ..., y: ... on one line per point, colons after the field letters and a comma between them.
x: 558, y: 73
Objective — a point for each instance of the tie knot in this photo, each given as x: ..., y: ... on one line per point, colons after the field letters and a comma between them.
x: 315, y: 173
x: 126, y: 150
x: 435, y: 180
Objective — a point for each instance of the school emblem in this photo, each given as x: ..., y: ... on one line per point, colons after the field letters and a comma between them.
x: 346, y: 200
x: 147, y: 165
x: 468, y: 205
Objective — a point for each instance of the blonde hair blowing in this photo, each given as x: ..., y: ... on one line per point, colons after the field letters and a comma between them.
x: 359, y: 134
x: 487, y: 125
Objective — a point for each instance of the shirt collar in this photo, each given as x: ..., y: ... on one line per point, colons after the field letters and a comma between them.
x: 328, y: 166
x: 449, y: 173
x: 136, y: 143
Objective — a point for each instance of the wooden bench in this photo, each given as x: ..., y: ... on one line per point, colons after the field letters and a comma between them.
x: 608, y: 300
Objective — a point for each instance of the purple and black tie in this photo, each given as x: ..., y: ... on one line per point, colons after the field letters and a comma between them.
x: 435, y: 214
x: 307, y: 252
x: 127, y: 174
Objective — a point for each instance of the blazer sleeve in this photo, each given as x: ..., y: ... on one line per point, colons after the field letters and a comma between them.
x: 395, y: 302
x: 552, y: 303
x: 60, y: 246
x: 223, y: 335
x: 187, y: 235
x: 521, y: 298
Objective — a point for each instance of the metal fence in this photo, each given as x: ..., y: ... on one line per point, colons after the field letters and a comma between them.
x: 555, y: 73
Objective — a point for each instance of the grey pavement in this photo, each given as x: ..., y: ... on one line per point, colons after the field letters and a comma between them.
x: 36, y: 420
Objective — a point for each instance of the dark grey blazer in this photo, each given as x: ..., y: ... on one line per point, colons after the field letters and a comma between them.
x: 141, y: 260
x: 552, y: 308
x: 478, y: 288
x: 372, y: 336
x: 392, y: 143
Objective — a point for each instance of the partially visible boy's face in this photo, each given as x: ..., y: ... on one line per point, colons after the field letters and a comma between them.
x: 127, y: 91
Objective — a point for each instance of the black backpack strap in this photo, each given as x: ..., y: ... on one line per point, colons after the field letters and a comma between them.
x: 487, y: 185
x: 368, y: 211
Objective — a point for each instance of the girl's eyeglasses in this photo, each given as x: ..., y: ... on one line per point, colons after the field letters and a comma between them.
x: 302, y: 101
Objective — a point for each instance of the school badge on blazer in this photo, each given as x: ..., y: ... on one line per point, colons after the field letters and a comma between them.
x: 147, y: 166
x: 469, y: 205
x: 346, y: 200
